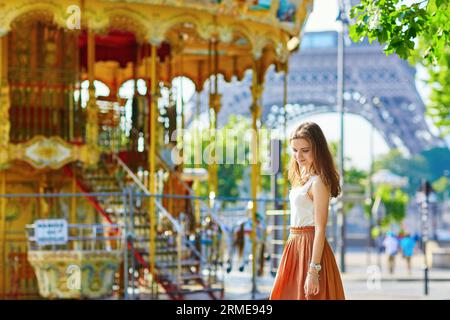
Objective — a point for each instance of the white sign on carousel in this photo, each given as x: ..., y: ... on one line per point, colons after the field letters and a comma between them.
x: 51, y: 231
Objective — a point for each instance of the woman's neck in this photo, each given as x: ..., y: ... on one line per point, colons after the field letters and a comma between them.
x: 308, y: 172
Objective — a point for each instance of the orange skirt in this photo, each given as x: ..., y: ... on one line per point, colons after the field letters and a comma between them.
x: 294, y: 264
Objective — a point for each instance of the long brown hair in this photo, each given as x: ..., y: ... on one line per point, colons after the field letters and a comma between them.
x: 323, y: 163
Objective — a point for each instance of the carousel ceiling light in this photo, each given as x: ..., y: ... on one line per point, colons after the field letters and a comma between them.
x: 293, y: 43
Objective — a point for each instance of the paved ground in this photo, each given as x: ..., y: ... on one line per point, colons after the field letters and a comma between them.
x: 362, y: 280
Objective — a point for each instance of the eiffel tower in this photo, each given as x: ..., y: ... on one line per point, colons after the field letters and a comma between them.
x: 379, y: 88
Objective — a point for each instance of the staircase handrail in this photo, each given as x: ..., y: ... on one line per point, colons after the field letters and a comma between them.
x: 144, y: 189
x: 191, y: 192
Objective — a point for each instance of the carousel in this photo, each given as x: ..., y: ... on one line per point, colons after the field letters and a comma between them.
x: 88, y: 110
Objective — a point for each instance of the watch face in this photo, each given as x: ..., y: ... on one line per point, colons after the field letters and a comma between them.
x: 316, y: 266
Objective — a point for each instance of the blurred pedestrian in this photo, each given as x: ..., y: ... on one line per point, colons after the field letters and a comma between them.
x: 391, y: 246
x: 407, y: 243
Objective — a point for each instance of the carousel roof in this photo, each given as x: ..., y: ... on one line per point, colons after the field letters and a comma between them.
x: 190, y: 32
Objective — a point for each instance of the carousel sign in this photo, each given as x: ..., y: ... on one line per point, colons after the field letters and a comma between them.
x: 51, y: 231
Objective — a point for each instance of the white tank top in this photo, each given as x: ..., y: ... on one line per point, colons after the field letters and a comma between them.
x: 302, y: 208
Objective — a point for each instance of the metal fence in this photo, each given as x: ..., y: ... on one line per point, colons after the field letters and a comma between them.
x: 119, y: 221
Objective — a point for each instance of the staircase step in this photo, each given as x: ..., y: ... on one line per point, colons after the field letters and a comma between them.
x: 191, y: 276
x: 196, y: 291
x: 114, y: 189
x: 168, y: 251
x: 99, y: 178
x: 142, y: 226
x: 184, y: 263
x: 162, y: 251
x: 147, y: 239
x: 184, y: 276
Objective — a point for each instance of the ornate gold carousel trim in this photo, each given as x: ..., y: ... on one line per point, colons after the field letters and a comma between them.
x: 75, y: 274
x: 152, y: 20
x: 54, y: 152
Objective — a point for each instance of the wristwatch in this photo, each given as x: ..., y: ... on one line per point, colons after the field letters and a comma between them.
x: 314, y: 266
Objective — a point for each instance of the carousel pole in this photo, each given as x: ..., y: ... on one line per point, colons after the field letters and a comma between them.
x: 170, y: 75
x: 5, y: 124
x: 2, y: 199
x: 254, y: 145
x: 210, y: 103
x: 2, y: 233
x: 285, y: 149
x: 73, y: 202
x: 135, y: 129
x: 182, y: 118
x: 4, y: 101
x: 152, y: 158
x: 214, y: 107
x: 4, y: 141
x: 197, y: 141
x: 92, y: 110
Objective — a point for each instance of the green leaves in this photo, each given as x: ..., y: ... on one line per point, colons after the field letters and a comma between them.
x: 441, y: 3
x: 395, y: 201
x: 431, y: 7
x: 401, y: 28
x: 439, y: 106
x: 398, y: 26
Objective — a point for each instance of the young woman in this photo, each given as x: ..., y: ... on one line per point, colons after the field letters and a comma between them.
x: 308, y: 268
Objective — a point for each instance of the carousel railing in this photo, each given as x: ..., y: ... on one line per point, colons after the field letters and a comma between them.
x: 111, y: 118
x: 85, y: 265
x: 172, y: 234
x: 209, y: 216
x: 192, y: 252
x: 203, y: 206
x: 47, y: 102
x: 83, y: 237
x: 44, y: 102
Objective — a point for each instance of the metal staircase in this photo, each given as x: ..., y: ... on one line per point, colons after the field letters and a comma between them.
x: 186, y: 265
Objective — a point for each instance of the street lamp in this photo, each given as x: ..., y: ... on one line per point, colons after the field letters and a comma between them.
x: 444, y: 210
x: 375, y: 103
x: 432, y: 199
x: 342, y: 18
x: 425, y: 191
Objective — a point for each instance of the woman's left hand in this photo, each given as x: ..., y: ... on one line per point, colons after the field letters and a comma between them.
x: 312, y: 285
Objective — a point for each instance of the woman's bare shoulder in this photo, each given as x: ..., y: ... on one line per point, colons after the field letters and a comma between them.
x: 319, y: 185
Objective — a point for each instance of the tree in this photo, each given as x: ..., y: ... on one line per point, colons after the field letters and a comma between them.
x: 398, y: 25
x: 229, y: 139
x: 439, y: 105
x: 394, y: 201
x: 430, y: 165
x: 419, y: 32
x: 441, y: 185
x: 415, y: 168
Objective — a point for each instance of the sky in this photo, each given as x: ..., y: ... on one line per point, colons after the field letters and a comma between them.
x: 323, y: 16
